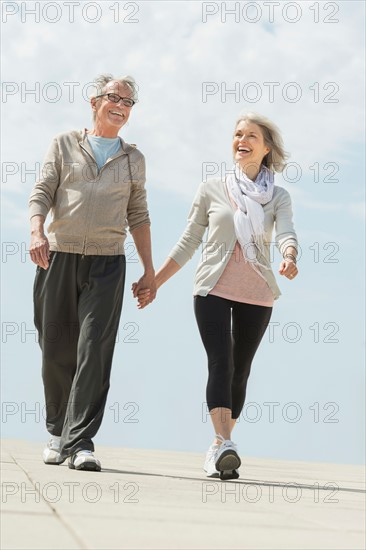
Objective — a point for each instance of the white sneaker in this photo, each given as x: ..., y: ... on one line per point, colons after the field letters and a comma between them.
x: 51, y: 453
x: 209, y: 465
x: 84, y: 460
x: 227, y: 459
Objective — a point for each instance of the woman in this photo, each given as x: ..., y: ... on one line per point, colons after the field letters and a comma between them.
x: 94, y: 183
x: 234, y: 286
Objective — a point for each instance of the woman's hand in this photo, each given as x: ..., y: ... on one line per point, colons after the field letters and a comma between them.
x: 144, y: 290
x: 143, y: 296
x: 288, y: 268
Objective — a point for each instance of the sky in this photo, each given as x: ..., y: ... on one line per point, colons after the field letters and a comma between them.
x: 198, y: 65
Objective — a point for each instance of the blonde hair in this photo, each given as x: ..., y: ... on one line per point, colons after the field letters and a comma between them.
x: 276, y: 159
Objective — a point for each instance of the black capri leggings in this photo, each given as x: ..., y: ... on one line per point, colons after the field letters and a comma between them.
x: 231, y: 333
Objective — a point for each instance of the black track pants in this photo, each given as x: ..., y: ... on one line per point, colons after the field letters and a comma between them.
x: 231, y: 333
x: 77, y: 307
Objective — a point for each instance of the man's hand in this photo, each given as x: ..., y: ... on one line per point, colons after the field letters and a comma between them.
x: 145, y: 289
x: 39, y: 249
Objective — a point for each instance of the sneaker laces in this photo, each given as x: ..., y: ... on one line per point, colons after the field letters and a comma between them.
x: 84, y: 452
x: 211, y: 452
x: 226, y: 442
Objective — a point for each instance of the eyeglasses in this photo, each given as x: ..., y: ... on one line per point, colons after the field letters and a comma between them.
x: 115, y: 98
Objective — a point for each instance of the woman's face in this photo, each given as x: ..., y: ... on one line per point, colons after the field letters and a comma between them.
x: 109, y: 114
x: 248, y: 145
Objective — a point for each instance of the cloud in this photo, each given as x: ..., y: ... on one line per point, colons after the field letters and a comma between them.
x: 345, y: 204
x: 16, y: 213
x: 357, y: 209
x: 172, y: 53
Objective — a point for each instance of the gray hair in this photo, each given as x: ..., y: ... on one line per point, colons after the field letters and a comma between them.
x: 102, y: 80
x: 275, y: 160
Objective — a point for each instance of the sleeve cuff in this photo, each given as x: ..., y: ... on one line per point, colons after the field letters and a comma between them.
x: 286, y: 243
x: 140, y: 224
x: 37, y: 209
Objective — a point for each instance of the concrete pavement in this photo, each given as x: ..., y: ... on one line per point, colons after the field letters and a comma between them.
x: 146, y: 499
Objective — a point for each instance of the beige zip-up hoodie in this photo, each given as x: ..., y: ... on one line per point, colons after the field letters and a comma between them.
x: 91, y: 208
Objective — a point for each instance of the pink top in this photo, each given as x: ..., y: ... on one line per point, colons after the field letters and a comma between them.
x: 239, y: 281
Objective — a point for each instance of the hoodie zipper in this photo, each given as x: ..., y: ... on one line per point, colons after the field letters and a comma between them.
x: 90, y: 200
x: 98, y: 173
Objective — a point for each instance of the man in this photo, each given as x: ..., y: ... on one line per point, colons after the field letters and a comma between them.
x: 94, y: 184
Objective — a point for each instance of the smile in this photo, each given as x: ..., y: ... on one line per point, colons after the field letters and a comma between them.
x: 116, y: 113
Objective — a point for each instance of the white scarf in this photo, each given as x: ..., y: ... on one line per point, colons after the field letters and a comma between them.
x: 250, y: 196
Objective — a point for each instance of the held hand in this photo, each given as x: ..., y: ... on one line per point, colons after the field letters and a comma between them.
x: 143, y: 297
x: 145, y: 293
x: 145, y: 290
x: 39, y: 250
x: 288, y: 269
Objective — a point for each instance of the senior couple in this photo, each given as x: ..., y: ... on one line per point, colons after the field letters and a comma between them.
x: 93, y: 182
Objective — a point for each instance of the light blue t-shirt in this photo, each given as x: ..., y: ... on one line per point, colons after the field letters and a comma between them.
x: 103, y: 148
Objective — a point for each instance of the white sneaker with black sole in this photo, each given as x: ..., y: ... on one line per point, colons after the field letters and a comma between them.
x: 209, y: 465
x: 227, y: 460
x: 84, y: 460
x: 51, y: 453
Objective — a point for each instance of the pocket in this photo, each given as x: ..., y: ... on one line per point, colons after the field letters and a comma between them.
x: 51, y: 256
x: 36, y: 283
